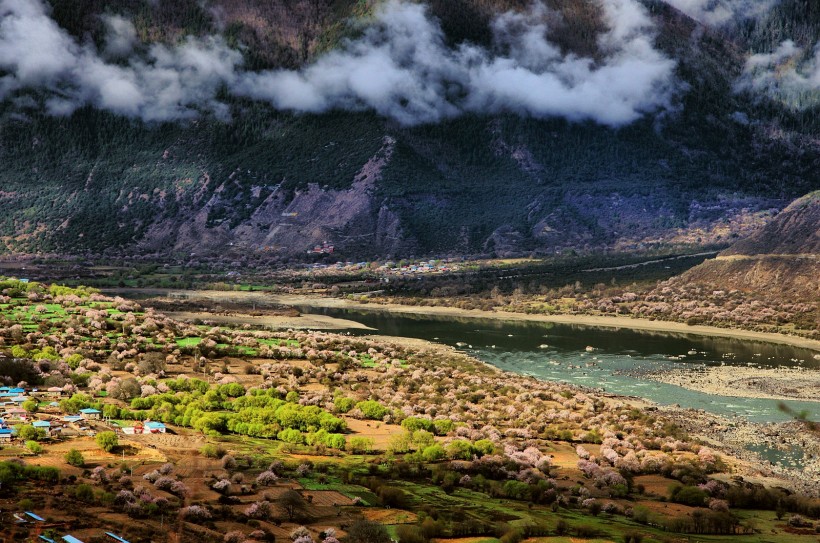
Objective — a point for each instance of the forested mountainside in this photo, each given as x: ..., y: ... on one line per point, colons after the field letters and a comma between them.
x: 720, y: 136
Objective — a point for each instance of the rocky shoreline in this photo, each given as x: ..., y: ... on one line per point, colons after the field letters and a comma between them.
x: 745, y: 382
x: 797, y: 469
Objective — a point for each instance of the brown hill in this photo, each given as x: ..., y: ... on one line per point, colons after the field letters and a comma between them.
x: 782, y: 258
x: 794, y: 231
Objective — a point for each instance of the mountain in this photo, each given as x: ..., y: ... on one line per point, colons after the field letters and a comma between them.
x: 781, y: 257
x: 233, y: 173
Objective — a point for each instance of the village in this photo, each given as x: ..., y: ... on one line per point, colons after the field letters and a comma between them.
x: 56, y: 424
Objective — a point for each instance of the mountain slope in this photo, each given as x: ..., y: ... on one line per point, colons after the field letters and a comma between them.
x: 272, y: 184
x: 783, y: 257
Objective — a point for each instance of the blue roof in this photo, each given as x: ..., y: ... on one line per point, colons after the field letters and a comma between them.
x: 89, y: 411
x: 71, y: 539
x: 47, y: 540
x: 35, y: 516
x: 154, y: 424
x: 118, y: 538
x: 72, y: 418
x: 41, y: 424
x: 6, y: 431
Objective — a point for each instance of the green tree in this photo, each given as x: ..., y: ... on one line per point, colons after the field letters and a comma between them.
x: 460, y: 450
x: 75, y: 458
x: 107, y: 441
x: 360, y: 445
x: 372, y: 409
x: 367, y: 531
x: 433, y: 453
x: 30, y: 406
x: 344, y: 404
x: 30, y: 433
x: 34, y: 447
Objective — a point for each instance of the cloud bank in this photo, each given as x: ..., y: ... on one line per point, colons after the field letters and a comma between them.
x: 400, y: 67
x: 789, y: 70
x: 167, y: 83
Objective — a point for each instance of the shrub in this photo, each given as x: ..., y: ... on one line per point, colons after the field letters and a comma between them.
x: 75, y: 458
x: 195, y: 513
x: 372, y: 409
x: 291, y: 435
x: 460, y: 450
x: 360, y: 445
x: 228, y: 462
x: 84, y: 493
x: 29, y: 433
x: 107, y: 441
x: 259, y: 510
x: 688, y: 495
x: 267, y: 478
x: 433, y: 453
x: 344, y: 404
x: 34, y: 447
x: 411, y: 424
x: 211, y: 451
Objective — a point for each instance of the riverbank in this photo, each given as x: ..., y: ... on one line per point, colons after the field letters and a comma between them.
x: 749, y: 382
x: 749, y: 448
x: 299, y: 322
x: 583, y: 320
x: 453, y: 312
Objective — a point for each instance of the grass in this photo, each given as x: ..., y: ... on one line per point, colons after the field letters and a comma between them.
x: 189, y: 341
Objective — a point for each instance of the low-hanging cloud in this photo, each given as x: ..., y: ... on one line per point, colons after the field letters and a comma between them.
x: 786, y: 72
x: 165, y: 84
x: 401, y: 67
x: 721, y: 12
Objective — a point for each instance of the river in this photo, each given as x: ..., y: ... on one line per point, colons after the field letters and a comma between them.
x: 603, y: 358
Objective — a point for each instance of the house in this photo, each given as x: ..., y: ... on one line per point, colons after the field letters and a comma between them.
x: 11, y: 391
x: 6, y: 434
x: 155, y: 427
x: 115, y: 537
x: 50, y: 392
x: 44, y: 424
x: 90, y: 413
x: 15, y: 413
x: 35, y: 516
x: 72, y: 418
x: 71, y: 539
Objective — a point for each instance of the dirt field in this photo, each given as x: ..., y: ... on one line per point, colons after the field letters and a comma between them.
x: 390, y: 516
x: 655, y: 484
x: 378, y: 431
x: 327, y: 498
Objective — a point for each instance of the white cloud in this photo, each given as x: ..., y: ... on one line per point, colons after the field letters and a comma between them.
x: 400, y: 67
x: 786, y: 70
x: 170, y: 83
x: 720, y: 12
x: 121, y: 36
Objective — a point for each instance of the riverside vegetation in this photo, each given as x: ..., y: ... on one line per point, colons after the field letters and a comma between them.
x: 324, y: 437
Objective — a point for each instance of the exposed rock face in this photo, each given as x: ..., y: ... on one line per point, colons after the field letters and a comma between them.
x: 351, y: 220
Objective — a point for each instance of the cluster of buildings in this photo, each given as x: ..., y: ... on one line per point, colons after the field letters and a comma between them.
x: 40, y: 524
x: 50, y: 418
